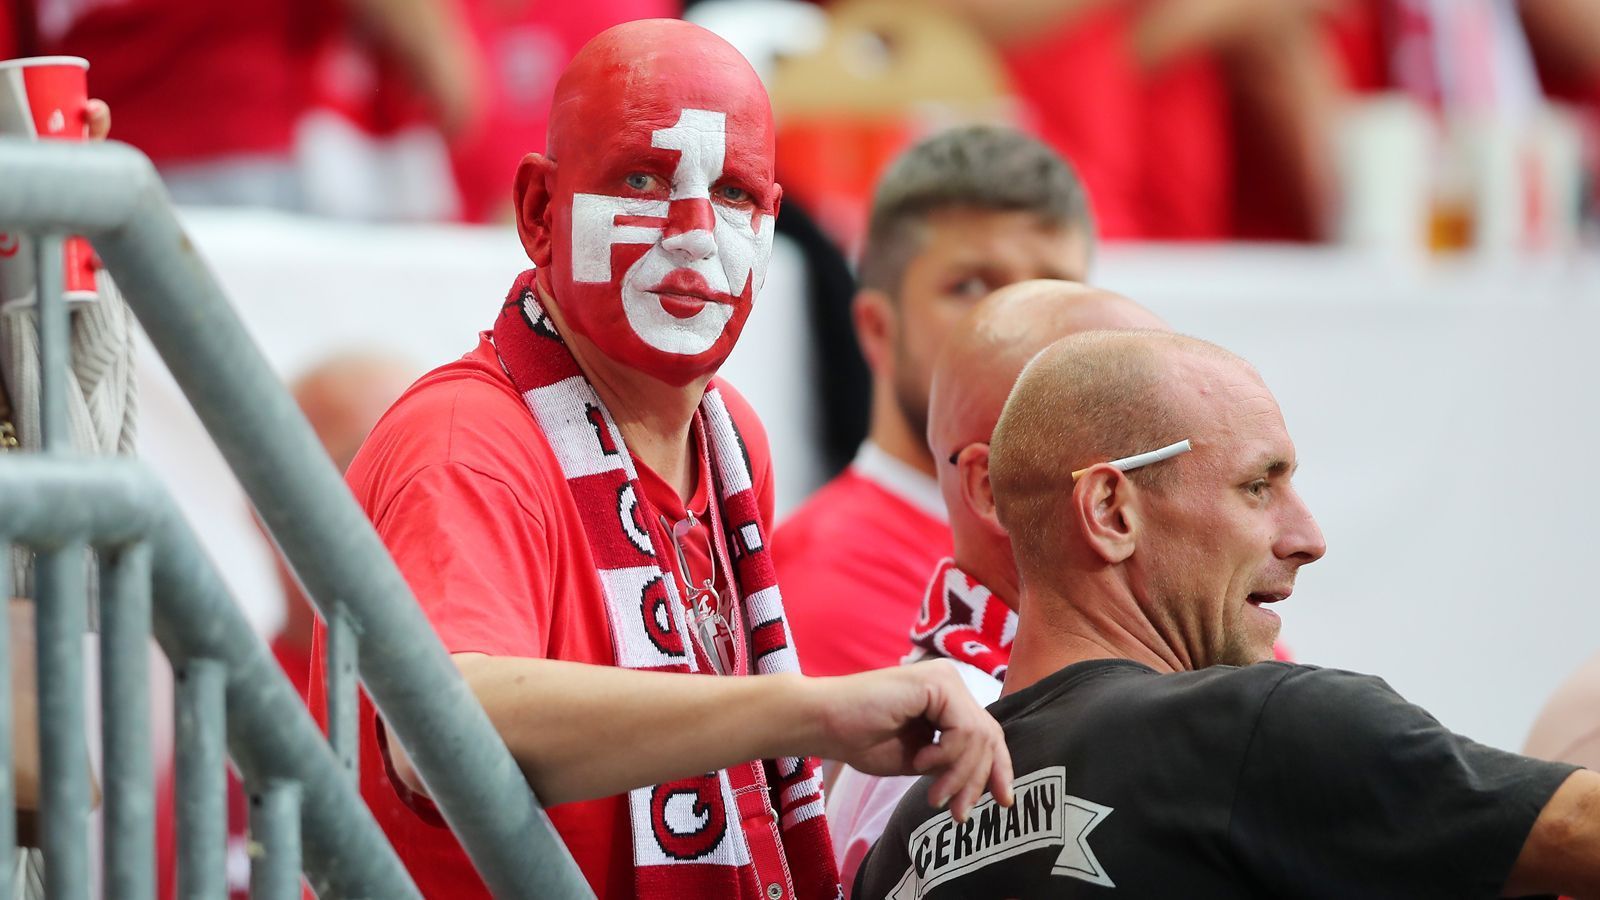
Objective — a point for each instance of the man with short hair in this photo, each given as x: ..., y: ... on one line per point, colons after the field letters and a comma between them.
x: 579, y: 497
x: 959, y: 215
x: 968, y: 613
x: 1155, y: 752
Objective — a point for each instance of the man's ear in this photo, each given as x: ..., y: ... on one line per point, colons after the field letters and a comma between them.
x: 1105, y: 503
x: 531, y: 197
x: 876, y: 322
x: 976, y: 490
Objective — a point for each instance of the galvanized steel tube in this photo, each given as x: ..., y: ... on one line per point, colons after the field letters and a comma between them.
x: 202, y: 779
x: 275, y: 841
x: 125, y: 722
x: 343, y: 709
x: 8, y: 793
x: 61, y: 620
x: 110, y: 192
x: 54, y: 343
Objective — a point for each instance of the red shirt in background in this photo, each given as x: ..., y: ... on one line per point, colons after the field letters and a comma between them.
x: 465, y: 492
x: 853, y: 564
x: 1153, y: 148
x: 191, y: 81
x: 8, y: 33
x: 525, y: 47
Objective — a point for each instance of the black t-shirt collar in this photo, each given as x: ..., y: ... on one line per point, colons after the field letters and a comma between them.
x: 1045, y: 688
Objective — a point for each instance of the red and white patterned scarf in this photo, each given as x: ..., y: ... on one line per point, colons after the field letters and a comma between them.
x: 712, y: 835
x: 961, y: 620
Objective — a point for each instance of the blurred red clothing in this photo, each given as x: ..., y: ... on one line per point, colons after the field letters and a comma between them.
x: 525, y: 46
x: 1153, y: 148
x: 8, y: 34
x: 853, y: 564
x: 187, y: 80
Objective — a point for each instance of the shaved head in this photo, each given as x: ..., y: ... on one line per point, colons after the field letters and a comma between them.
x: 642, y: 71
x: 973, y: 376
x: 1088, y: 398
x: 982, y: 360
x: 1189, y: 553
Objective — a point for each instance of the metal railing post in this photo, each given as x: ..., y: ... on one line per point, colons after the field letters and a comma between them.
x: 8, y: 793
x: 125, y: 722
x: 343, y: 708
x: 110, y: 193
x: 61, y: 620
x: 47, y: 500
x: 202, y: 779
x: 275, y: 841
x: 54, y: 360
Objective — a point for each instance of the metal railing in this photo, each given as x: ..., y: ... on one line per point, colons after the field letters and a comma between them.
x: 305, y: 810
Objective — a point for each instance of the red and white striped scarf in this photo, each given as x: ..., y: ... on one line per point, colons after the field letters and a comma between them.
x: 712, y: 835
x: 961, y: 620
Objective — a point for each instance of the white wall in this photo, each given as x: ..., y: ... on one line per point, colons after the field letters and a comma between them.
x: 1443, y: 415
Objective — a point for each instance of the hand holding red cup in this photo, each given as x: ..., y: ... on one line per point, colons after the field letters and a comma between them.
x: 46, y: 98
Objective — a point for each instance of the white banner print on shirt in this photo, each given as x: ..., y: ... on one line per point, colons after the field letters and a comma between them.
x: 1044, y: 815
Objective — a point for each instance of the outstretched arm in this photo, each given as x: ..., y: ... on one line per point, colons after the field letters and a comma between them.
x: 1562, y: 853
x: 581, y: 731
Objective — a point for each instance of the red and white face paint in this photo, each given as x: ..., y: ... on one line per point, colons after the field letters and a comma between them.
x: 662, y: 227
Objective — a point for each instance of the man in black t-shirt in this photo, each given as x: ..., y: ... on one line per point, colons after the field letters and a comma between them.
x: 1156, y: 754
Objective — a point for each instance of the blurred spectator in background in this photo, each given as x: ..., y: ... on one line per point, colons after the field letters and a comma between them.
x: 8, y: 33
x: 957, y: 216
x: 372, y: 147
x: 1568, y: 728
x: 1566, y: 43
x: 342, y: 397
x: 213, y: 92
x: 380, y: 109
x: 1160, y: 105
x: 1458, y: 99
x: 1156, y: 103
x: 524, y: 45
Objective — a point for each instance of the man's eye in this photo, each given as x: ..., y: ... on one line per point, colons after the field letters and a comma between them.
x: 732, y: 194
x: 971, y: 286
x: 1258, y: 488
x: 640, y: 181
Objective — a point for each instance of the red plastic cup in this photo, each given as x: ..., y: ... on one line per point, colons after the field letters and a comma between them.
x: 45, y: 98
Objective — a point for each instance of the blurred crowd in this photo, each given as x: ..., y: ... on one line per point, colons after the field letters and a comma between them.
x: 1447, y: 123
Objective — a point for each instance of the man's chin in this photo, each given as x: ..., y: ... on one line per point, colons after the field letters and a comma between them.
x: 1250, y: 643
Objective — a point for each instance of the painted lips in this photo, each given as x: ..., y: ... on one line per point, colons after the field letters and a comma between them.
x: 683, y: 293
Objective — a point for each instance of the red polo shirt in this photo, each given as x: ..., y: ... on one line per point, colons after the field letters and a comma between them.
x: 466, y: 493
x: 853, y: 562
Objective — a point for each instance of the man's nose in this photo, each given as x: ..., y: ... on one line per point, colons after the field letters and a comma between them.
x: 1301, y: 537
x: 688, y: 234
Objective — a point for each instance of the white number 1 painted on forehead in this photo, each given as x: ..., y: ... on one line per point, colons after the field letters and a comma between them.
x: 701, y: 139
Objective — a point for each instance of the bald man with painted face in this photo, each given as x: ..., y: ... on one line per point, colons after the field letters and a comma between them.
x: 582, y: 508
x: 968, y: 613
x: 1159, y: 751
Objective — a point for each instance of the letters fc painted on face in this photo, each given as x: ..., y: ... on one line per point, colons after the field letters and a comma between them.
x: 705, y: 254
